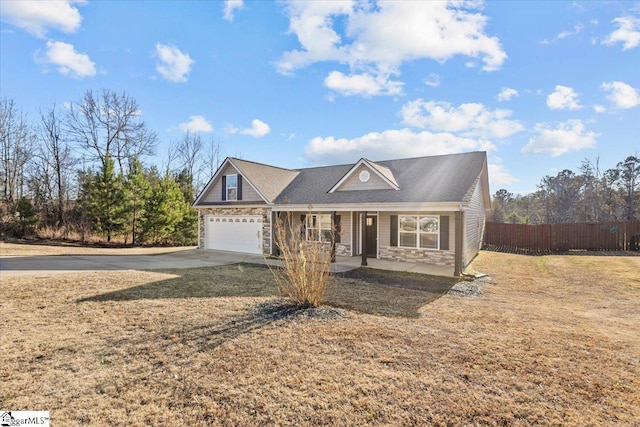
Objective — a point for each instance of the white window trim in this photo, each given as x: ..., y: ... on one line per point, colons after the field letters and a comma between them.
x: 418, y: 232
x: 227, y: 187
x: 318, y: 228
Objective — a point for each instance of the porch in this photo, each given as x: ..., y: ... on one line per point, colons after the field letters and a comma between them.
x: 351, y: 263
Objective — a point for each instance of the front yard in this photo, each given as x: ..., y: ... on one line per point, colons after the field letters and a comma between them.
x: 554, y: 340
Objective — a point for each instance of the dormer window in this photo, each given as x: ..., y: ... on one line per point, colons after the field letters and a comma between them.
x: 231, y: 189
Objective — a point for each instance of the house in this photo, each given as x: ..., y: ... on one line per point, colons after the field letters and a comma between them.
x: 426, y: 209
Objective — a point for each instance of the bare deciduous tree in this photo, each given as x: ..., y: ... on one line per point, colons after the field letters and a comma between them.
x: 56, y: 161
x: 16, y: 147
x: 108, y: 124
x: 189, y: 154
x: 213, y: 156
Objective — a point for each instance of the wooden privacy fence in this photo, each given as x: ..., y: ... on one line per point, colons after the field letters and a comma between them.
x: 603, y: 236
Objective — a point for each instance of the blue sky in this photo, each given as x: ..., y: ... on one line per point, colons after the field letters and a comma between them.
x: 539, y: 85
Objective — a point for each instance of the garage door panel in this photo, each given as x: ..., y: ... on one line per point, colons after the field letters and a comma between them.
x: 235, y: 233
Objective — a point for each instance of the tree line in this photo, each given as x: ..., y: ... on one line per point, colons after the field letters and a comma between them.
x: 588, y: 195
x: 82, y: 172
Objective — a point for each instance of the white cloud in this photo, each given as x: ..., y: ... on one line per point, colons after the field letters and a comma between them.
x: 499, y: 175
x: 621, y: 94
x: 567, y: 33
x: 567, y: 136
x: 196, y: 124
x: 564, y: 34
x: 599, y: 108
x: 362, y: 84
x: 563, y: 98
x: 230, y: 7
x: 258, y: 129
x: 378, y: 39
x: 38, y: 17
x: 470, y: 120
x: 67, y: 60
x: 507, y: 93
x: 433, y: 80
x: 174, y: 65
x: 390, y: 144
x: 628, y: 33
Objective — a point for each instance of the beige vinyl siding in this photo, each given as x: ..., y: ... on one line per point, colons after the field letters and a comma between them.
x: 353, y: 181
x: 452, y: 233
x: 214, y: 195
x: 474, y: 219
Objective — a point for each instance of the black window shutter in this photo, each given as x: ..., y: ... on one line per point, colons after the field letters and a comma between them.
x: 394, y: 230
x: 224, y: 187
x: 239, y: 191
x: 275, y: 219
x: 444, y: 233
x: 338, y: 229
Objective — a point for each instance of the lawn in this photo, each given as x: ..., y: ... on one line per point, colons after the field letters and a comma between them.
x: 553, y: 340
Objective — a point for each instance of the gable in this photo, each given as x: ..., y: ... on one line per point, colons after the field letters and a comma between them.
x: 366, y: 175
x: 369, y: 181
x: 213, y: 192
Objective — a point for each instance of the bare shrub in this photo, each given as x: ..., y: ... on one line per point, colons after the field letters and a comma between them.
x: 304, y: 274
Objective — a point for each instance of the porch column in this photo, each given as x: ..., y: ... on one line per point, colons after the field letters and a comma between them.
x: 275, y: 218
x: 459, y: 216
x: 333, y: 236
x: 363, y: 238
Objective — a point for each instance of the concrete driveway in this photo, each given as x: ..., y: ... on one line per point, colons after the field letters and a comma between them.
x: 52, y: 264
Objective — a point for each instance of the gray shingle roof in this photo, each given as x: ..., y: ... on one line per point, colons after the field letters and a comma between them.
x: 446, y: 178
x: 385, y: 171
x: 268, y: 180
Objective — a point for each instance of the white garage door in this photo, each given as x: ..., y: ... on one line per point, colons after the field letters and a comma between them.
x: 235, y: 233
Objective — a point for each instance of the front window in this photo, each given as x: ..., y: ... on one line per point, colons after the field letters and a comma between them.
x: 419, y: 232
x: 318, y: 228
x: 232, y: 187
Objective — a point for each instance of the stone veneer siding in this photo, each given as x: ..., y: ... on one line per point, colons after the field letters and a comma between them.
x: 445, y: 258
x: 266, y: 222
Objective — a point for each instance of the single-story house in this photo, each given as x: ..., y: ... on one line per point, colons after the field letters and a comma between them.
x: 425, y: 209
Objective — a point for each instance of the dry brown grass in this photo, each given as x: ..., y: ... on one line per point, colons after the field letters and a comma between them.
x: 555, y: 340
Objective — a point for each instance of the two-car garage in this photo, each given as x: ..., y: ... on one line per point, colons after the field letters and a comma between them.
x: 235, y: 233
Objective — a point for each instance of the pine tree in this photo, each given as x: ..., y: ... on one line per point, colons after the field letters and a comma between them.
x: 164, y: 210
x: 137, y: 190
x: 106, y: 200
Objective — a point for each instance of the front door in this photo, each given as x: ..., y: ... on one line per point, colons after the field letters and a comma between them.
x: 371, y: 230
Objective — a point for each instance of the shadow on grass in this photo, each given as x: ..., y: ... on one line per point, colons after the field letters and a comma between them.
x: 170, y: 342
x: 364, y: 290
x: 386, y: 293
x: 237, y: 280
x: 210, y: 336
